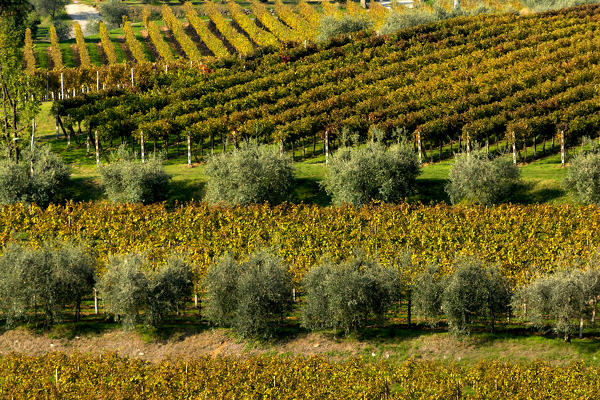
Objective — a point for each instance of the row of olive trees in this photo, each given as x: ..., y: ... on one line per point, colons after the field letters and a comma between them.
x: 254, y: 296
x: 59, y: 275
x: 257, y: 174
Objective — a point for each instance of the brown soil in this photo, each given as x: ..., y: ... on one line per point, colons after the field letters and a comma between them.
x: 212, y: 343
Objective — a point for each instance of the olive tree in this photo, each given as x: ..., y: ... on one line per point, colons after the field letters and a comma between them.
x: 474, y: 291
x: 359, y: 175
x: 168, y: 287
x: 583, y: 178
x: 125, y: 287
x: 221, y: 285
x: 562, y: 300
x: 476, y: 178
x: 252, y: 296
x: 264, y: 294
x: 330, y: 27
x: 41, y: 177
x: 249, y: 174
x: 51, y: 277
x: 127, y: 180
x: 344, y: 296
x: 427, y: 294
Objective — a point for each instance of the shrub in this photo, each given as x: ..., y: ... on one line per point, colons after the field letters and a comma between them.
x: 250, y: 174
x: 475, y: 178
x: 330, y: 27
x: 474, y: 291
x: 345, y: 296
x: 51, y: 277
x: 362, y: 174
x: 264, y: 295
x: 583, y: 178
x: 221, y: 284
x: 127, y: 180
x: 46, y: 184
x: 112, y: 12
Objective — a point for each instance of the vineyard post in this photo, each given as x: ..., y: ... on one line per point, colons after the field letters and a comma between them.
x: 95, y: 301
x: 562, y: 147
x: 32, y: 133
x: 142, y: 146
x: 62, y: 87
x: 47, y: 86
x: 581, y: 327
x: 419, y: 147
x: 189, y: 149
x: 514, y: 148
x: 97, y: 164
x: 97, y: 80
x: 132, y: 83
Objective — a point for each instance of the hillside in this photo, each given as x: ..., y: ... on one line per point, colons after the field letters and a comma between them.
x: 487, y: 79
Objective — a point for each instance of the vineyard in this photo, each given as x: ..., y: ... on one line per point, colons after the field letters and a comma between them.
x: 525, y: 240
x: 485, y: 79
x: 240, y: 31
x: 83, y: 377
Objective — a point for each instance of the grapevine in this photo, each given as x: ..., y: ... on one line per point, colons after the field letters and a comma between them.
x: 84, y: 56
x: 28, y: 52
x: 237, y: 40
x: 259, y: 36
x: 55, y: 52
x: 107, y: 44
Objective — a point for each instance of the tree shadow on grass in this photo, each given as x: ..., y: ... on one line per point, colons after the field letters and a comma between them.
x: 181, y: 191
x: 431, y: 191
x: 309, y: 191
x: 83, y: 189
x: 527, y: 193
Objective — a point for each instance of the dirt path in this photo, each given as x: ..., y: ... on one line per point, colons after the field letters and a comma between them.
x: 209, y: 343
x: 82, y: 13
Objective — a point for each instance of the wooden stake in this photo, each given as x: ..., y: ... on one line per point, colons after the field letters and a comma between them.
x: 562, y: 148
x: 95, y: 301
x: 142, y: 146
x: 97, y: 164
x: 420, y: 150
x: 189, y: 150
